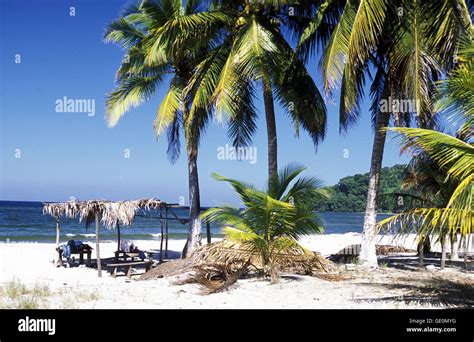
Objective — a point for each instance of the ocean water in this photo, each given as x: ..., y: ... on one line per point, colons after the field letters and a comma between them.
x: 24, y: 221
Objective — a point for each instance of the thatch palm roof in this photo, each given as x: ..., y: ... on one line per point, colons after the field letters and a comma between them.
x: 111, y: 213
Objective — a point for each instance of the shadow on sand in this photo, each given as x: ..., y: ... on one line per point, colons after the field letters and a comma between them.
x: 412, y: 263
x: 437, y: 292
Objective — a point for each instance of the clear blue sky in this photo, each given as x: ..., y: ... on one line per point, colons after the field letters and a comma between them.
x: 72, y: 154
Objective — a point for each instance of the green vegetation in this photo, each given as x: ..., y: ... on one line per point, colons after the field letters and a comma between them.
x: 213, y: 60
x: 449, y: 183
x: 350, y: 193
x: 272, y: 221
x: 15, y: 295
x: 457, y: 157
x: 215, y: 57
x: 401, y: 48
x: 164, y: 42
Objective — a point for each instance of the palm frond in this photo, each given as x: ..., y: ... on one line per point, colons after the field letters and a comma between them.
x: 123, y: 33
x: 168, y: 108
x: 336, y: 53
x: 268, y: 227
x: 447, y: 151
x: 131, y: 92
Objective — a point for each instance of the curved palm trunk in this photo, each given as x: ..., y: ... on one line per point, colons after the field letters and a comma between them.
x: 271, y: 131
x: 367, y: 252
x: 194, y: 234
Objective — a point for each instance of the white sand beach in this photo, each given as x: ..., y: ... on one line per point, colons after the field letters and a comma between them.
x: 30, y: 264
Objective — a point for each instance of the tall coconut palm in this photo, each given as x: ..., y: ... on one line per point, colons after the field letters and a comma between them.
x: 254, y: 53
x: 164, y: 41
x: 273, y: 220
x: 407, y: 45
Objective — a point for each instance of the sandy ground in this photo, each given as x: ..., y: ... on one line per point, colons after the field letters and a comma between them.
x: 399, y: 283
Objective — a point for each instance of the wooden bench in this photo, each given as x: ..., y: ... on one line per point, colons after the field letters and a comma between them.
x: 128, y: 267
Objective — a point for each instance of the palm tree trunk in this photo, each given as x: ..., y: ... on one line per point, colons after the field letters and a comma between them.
x: 271, y: 130
x: 194, y: 234
x: 367, y: 252
x: 454, y: 247
x: 443, y: 251
x: 421, y: 255
x: 467, y: 240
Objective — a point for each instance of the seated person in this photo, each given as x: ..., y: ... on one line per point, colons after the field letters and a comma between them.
x: 127, y: 247
x: 72, y: 246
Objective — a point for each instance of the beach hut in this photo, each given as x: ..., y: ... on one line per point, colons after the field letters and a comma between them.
x: 111, y: 214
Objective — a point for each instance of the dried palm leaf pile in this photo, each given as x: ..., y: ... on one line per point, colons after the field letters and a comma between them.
x: 294, y: 260
x: 218, y: 266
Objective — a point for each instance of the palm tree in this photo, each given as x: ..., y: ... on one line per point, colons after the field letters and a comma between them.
x: 407, y: 44
x: 426, y: 185
x: 164, y: 40
x: 252, y: 53
x: 457, y: 157
x: 271, y: 221
x: 454, y: 156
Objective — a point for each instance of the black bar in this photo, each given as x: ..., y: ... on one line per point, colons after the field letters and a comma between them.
x: 319, y: 325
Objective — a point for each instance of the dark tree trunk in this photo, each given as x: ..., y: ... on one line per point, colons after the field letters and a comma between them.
x: 421, y: 256
x: 271, y: 131
x: 367, y: 253
x: 194, y: 235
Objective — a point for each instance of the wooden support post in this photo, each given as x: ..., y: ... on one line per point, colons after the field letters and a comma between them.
x: 467, y: 240
x: 161, y: 227
x: 58, y: 227
x: 118, y: 236
x: 99, y: 266
x: 58, y: 257
x: 208, y: 231
x: 166, y: 232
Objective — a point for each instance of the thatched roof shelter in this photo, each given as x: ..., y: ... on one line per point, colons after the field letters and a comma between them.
x: 110, y: 214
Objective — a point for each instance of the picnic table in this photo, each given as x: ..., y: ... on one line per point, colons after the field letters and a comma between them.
x: 125, y: 255
x: 83, y: 249
x: 128, y: 267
